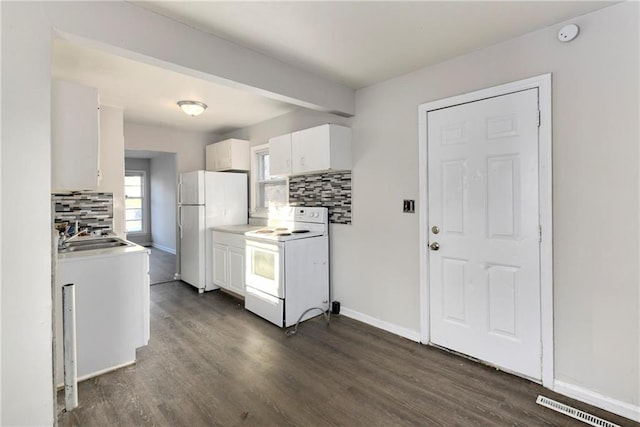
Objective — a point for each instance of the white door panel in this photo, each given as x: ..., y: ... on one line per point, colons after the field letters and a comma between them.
x: 484, y: 280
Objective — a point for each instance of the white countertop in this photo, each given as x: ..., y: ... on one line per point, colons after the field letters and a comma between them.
x: 237, y: 229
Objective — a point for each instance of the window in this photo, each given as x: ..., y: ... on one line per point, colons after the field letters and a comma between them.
x: 267, y: 190
x: 134, y: 201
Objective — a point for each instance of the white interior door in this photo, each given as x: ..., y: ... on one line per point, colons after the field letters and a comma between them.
x: 484, y: 259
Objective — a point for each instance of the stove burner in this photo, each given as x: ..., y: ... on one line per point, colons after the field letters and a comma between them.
x: 300, y: 231
x: 264, y: 231
x: 283, y: 234
x: 282, y: 229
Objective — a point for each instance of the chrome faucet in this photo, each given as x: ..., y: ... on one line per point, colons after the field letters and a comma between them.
x: 64, y: 239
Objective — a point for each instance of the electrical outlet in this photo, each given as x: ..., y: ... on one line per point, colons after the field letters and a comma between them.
x: 409, y: 206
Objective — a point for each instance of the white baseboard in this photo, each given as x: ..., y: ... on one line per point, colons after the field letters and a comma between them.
x: 97, y: 373
x: 617, y: 407
x: 381, y: 324
x: 164, y: 248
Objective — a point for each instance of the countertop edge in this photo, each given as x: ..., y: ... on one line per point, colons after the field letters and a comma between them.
x: 101, y: 253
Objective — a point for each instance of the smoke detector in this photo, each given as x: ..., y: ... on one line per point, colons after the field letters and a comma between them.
x: 568, y: 33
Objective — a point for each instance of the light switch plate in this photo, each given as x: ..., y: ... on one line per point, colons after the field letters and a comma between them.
x: 409, y: 206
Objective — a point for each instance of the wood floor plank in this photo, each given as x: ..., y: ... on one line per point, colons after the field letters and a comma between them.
x: 211, y: 363
x: 162, y: 266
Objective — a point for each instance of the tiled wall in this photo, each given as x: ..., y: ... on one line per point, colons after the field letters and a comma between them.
x: 92, y: 210
x: 331, y: 190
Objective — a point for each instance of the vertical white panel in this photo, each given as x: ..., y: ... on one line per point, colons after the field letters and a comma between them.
x: 502, y: 299
x: 502, y: 197
x: 453, y: 304
x: 453, y: 196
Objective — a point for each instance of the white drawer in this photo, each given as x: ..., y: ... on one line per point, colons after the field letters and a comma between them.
x: 264, y: 305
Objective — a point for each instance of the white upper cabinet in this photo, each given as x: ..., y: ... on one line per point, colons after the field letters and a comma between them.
x: 280, y: 155
x: 321, y: 148
x: 230, y: 154
x: 75, y: 135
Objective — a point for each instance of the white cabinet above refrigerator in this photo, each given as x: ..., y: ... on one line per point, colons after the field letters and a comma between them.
x: 230, y: 154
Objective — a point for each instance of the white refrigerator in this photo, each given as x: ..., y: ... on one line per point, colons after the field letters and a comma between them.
x: 205, y: 200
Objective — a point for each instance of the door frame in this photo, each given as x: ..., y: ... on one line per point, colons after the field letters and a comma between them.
x: 543, y: 84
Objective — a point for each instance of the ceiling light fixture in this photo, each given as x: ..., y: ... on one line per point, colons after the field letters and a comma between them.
x: 192, y: 108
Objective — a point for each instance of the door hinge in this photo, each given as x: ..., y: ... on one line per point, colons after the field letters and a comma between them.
x: 539, y: 233
x: 538, y: 118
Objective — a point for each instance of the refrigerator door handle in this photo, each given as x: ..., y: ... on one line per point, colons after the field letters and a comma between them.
x: 180, y: 219
x: 180, y: 189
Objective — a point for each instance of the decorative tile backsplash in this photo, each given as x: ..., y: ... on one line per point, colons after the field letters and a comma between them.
x: 330, y: 189
x: 92, y: 210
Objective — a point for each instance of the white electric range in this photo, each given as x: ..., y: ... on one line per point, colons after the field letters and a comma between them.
x: 287, y: 265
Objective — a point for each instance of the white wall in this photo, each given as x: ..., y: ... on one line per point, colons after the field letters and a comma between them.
x: 26, y: 366
x: 112, y: 162
x: 596, y: 229
x: 189, y: 147
x: 163, y: 201
x: 135, y: 164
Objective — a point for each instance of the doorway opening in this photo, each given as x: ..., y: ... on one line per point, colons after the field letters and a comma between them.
x: 151, y: 209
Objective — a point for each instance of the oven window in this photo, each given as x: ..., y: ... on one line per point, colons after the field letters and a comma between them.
x: 264, y: 264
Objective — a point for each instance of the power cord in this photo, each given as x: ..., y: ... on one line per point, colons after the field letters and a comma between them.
x: 292, y: 331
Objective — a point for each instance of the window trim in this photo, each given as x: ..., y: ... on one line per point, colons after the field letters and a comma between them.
x: 143, y: 198
x: 254, y: 211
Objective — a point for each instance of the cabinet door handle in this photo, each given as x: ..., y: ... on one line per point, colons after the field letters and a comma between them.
x: 302, y: 161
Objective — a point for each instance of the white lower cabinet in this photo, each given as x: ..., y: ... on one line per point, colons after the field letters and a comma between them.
x: 220, y: 265
x: 228, y: 261
x: 236, y: 269
x: 111, y: 308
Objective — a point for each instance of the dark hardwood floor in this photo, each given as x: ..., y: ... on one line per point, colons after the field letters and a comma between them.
x: 211, y: 363
x: 162, y: 266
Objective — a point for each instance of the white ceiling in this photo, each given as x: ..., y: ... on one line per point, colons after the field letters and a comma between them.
x: 354, y: 43
x: 358, y: 43
x: 149, y: 94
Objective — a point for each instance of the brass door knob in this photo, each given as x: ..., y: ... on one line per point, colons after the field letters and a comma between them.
x: 434, y: 246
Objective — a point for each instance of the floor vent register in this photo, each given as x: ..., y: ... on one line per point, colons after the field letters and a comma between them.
x: 574, y: 413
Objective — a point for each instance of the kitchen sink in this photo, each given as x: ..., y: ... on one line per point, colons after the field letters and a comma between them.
x: 93, y: 244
